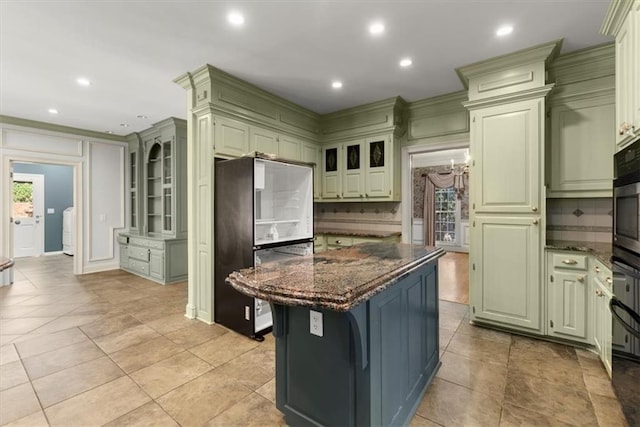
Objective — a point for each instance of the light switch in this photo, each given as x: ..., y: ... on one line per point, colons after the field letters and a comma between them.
x: 315, y: 322
x: 51, y: 210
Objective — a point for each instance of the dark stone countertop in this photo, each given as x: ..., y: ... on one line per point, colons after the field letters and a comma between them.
x: 377, y: 234
x: 602, y: 251
x: 338, y: 279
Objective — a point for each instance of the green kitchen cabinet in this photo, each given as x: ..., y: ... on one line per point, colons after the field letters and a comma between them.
x: 311, y: 153
x: 289, y: 148
x: 601, y: 293
x: 353, y: 178
x: 581, y: 147
x: 507, y: 105
x: 568, y: 298
x: 506, y: 151
x: 231, y: 137
x: 332, y: 171
x: 155, y: 244
x: 268, y: 142
x: 365, y: 169
x: 622, y: 21
x: 505, y: 272
x: 263, y: 141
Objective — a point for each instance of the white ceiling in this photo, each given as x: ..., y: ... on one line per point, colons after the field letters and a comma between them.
x: 132, y: 50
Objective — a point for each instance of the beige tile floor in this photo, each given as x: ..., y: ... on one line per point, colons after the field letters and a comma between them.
x: 113, y: 349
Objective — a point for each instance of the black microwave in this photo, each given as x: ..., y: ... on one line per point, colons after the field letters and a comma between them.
x: 626, y: 201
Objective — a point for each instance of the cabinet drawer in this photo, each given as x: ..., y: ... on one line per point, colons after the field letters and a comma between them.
x: 155, y: 244
x: 139, y: 266
x: 141, y: 254
x: 138, y: 241
x: 571, y: 261
x: 603, y: 274
x: 335, y: 240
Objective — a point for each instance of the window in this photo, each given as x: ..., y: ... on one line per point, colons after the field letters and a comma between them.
x: 446, y: 210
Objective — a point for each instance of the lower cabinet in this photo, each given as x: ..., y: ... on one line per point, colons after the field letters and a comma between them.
x: 568, y: 297
x: 161, y: 260
x: 504, y: 281
x: 602, y: 320
x: 323, y: 242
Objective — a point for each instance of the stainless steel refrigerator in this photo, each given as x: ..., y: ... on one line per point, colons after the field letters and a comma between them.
x: 263, y: 212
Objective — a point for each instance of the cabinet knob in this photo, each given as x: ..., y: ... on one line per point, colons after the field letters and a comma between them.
x: 569, y: 261
x: 580, y: 279
x: 338, y: 241
x: 535, y: 209
x: 608, y: 280
x: 535, y: 222
x: 361, y: 196
x: 597, y: 269
x: 366, y: 195
x: 599, y: 292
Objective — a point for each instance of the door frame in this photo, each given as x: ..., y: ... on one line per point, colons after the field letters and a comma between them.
x: 450, y: 142
x: 35, y: 179
x: 7, y: 239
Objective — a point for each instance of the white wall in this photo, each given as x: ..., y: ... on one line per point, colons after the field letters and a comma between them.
x: 99, y: 182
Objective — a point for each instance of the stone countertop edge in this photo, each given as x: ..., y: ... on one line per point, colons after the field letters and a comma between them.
x: 602, y: 251
x: 327, y: 300
x: 353, y: 233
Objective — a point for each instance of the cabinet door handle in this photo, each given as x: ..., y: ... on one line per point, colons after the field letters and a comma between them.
x: 569, y: 261
x: 599, y: 292
x: 608, y: 280
x: 535, y: 222
x: 580, y: 279
x: 535, y: 209
x: 597, y: 269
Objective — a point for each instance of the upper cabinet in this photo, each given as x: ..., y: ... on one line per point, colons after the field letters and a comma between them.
x: 581, y: 148
x: 506, y: 152
x: 623, y: 22
x: 360, y: 170
x: 160, y: 196
x: 361, y: 152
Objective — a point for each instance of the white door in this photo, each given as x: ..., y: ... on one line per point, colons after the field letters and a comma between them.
x: 28, y: 215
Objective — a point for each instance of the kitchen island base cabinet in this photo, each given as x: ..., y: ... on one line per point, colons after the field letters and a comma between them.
x: 367, y: 366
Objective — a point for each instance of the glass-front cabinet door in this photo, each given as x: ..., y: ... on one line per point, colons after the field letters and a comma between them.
x: 133, y: 190
x: 159, y: 201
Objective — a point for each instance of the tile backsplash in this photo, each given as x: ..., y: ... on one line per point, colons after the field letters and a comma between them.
x: 580, y: 219
x: 358, y: 216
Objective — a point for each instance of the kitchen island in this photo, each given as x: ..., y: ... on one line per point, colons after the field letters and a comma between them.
x: 356, y: 331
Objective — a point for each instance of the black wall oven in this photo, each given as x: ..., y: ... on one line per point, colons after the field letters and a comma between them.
x: 625, y: 303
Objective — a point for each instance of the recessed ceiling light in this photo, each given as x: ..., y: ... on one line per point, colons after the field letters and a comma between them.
x: 505, y: 30
x: 235, y: 18
x: 142, y: 116
x: 376, y: 28
x: 336, y: 84
x: 83, y: 81
x: 53, y: 111
x: 110, y: 132
x: 124, y: 125
x: 405, y: 62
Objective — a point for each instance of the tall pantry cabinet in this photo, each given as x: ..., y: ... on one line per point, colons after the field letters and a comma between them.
x: 507, y: 112
x: 155, y: 247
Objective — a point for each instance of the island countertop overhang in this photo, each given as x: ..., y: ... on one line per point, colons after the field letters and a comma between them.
x: 336, y: 280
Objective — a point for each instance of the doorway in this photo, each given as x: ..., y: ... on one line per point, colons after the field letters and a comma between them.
x: 449, y: 216
x: 41, y: 193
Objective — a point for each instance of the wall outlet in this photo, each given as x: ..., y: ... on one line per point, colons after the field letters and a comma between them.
x: 315, y: 323
x: 51, y: 210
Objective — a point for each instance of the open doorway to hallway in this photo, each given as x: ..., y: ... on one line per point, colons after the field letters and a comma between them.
x: 439, y: 214
x: 42, y: 210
